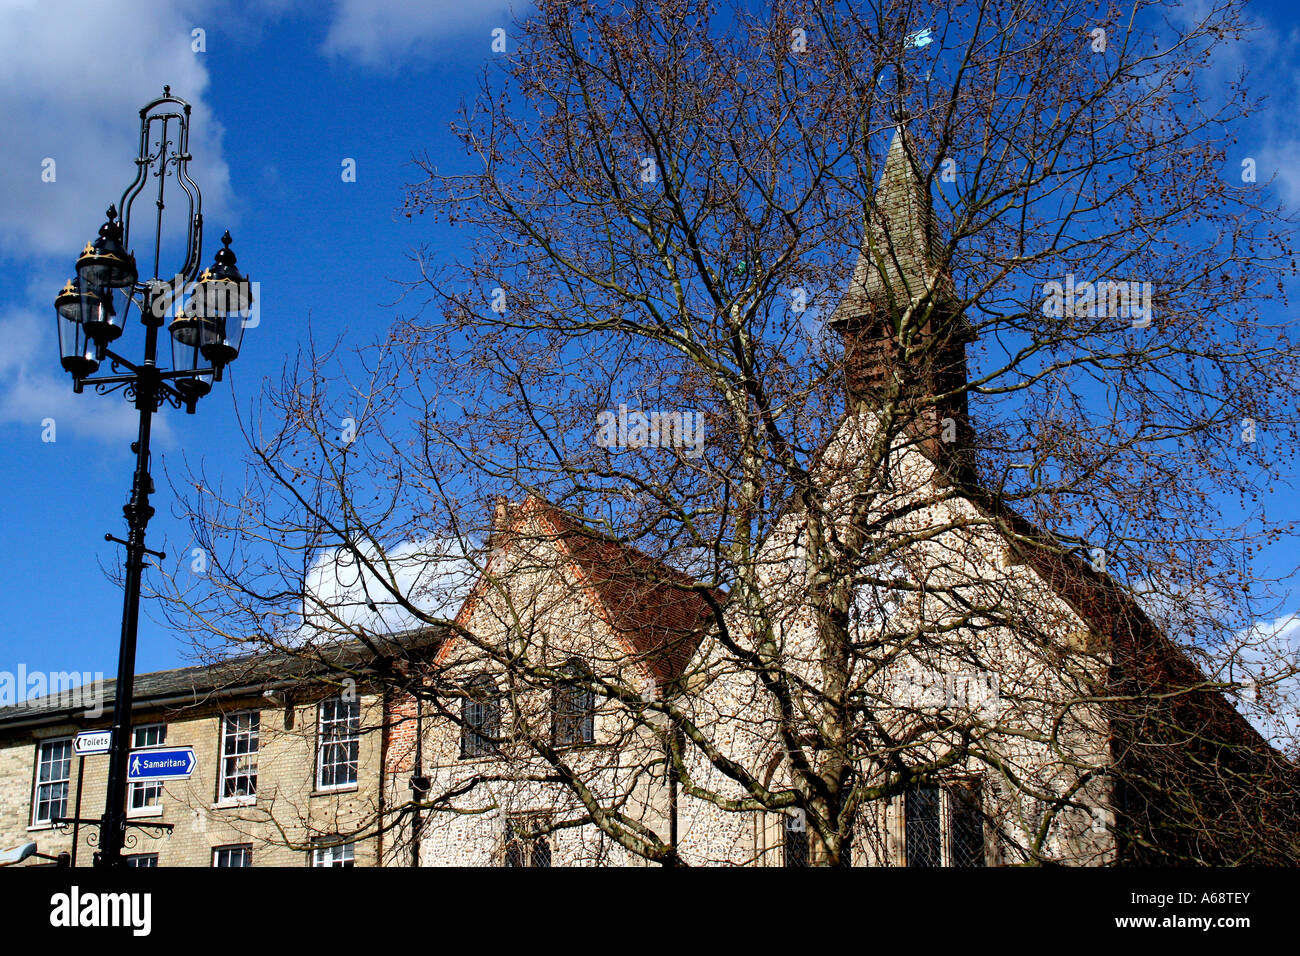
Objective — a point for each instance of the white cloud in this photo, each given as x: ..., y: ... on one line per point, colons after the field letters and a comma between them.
x: 34, y: 387
x: 1266, y: 659
x: 1268, y: 56
x: 383, y: 33
x: 73, y: 77
x: 1277, y: 160
x: 30, y: 398
x: 433, y: 575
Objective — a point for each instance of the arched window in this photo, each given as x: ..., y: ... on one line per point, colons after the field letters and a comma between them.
x: 480, y: 728
x: 573, y: 709
x: 527, y: 843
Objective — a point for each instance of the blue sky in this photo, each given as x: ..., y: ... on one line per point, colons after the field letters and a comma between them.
x: 284, y: 92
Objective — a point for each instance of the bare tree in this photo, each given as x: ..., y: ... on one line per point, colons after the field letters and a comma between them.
x: 868, y: 349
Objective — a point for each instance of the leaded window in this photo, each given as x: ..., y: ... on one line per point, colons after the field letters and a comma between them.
x: 943, y: 825
x: 480, y: 719
x: 573, y: 711
x: 526, y: 842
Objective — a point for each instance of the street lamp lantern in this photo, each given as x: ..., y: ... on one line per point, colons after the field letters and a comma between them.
x: 104, y: 262
x: 222, y: 301
x: 77, y: 309
x: 191, y: 335
x: 206, y: 333
x: 107, y: 275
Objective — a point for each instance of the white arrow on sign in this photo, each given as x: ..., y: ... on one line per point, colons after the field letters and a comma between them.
x: 92, y: 742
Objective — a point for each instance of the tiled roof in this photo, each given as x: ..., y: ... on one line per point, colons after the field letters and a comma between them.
x: 660, y: 611
x: 203, y: 682
x: 1140, y: 649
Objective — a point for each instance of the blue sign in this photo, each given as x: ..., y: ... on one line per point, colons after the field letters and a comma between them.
x: 174, y: 763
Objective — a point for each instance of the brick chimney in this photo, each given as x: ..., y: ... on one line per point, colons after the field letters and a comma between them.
x: 900, y: 297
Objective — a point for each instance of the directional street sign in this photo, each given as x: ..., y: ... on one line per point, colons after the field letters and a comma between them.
x: 174, y: 763
x: 92, y: 742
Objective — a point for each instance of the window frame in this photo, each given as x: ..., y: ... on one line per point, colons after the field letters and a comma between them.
x: 244, y: 849
x: 933, y: 855
x: 578, y: 718
x: 141, y: 860
x: 533, y: 852
x: 473, y: 744
x: 137, y: 788
x: 238, y: 799
x: 947, y: 818
x: 794, y: 854
x: 960, y: 809
x: 331, y: 845
x: 350, y: 741
x: 37, y: 783
x: 796, y: 844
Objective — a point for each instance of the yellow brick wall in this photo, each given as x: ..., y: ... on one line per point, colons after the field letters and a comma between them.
x: 279, y: 824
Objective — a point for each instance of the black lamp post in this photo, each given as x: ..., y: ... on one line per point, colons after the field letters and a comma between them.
x: 209, y: 311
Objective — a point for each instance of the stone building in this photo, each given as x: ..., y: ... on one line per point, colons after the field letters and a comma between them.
x: 573, y: 604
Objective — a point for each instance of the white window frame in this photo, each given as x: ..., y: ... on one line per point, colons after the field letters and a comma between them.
x: 333, y: 854
x: 330, y: 744
x: 245, y: 850
x: 65, y: 781
x: 144, y: 797
x: 142, y: 859
x: 227, y: 720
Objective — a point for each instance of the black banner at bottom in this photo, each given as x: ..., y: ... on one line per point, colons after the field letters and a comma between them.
x: 306, y: 905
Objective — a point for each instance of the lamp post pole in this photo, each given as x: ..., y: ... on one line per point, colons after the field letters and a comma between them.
x: 209, y: 310
x: 138, y: 511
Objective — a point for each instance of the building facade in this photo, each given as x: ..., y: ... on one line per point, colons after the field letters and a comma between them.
x: 287, y: 769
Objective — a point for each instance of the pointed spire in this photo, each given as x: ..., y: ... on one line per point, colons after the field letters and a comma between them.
x: 923, y: 366
x: 898, y: 245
